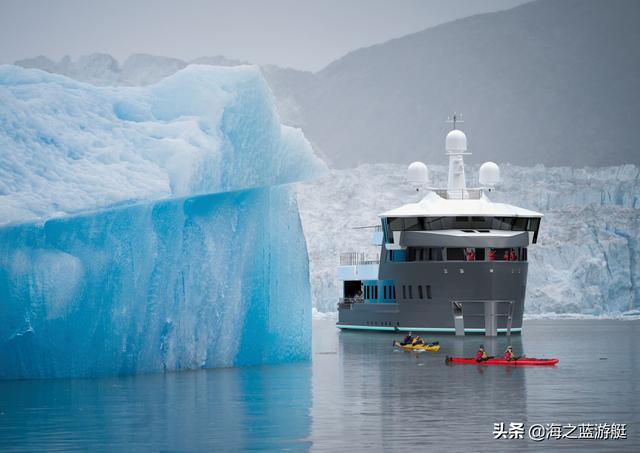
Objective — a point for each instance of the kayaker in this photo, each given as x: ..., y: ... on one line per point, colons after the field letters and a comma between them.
x: 407, y: 340
x: 481, y: 355
x: 417, y: 340
x: 508, y: 354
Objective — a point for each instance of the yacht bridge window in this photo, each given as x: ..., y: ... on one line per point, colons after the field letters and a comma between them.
x: 478, y: 223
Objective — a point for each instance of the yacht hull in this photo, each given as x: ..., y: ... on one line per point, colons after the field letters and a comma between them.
x: 485, y: 297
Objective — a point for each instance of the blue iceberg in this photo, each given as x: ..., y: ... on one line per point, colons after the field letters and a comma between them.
x: 150, y: 228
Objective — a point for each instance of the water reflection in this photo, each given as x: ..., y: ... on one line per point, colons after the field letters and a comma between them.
x: 372, y: 396
x: 358, y: 393
x: 236, y: 408
x: 390, y: 398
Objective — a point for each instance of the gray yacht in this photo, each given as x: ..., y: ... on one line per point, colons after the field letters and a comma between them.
x: 454, y: 262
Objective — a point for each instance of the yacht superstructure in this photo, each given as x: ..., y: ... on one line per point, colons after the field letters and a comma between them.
x: 454, y: 262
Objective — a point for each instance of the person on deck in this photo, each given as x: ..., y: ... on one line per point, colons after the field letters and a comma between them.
x: 471, y: 254
x: 492, y: 255
x: 481, y: 355
x: 506, y: 255
x: 508, y: 354
x: 514, y: 255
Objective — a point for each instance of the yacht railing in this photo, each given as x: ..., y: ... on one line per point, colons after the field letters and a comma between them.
x: 356, y: 259
x: 371, y: 227
x: 345, y: 303
x: 459, y: 194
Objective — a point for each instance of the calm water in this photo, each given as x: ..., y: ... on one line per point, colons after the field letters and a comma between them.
x: 357, y: 393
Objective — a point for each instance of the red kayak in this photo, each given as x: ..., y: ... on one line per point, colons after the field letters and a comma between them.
x: 526, y: 361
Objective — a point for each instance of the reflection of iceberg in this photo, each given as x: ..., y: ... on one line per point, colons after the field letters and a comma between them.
x: 166, y: 283
x: 233, y: 409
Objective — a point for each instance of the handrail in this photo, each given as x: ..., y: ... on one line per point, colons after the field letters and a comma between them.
x: 375, y: 228
x: 345, y: 303
x: 351, y: 300
x: 356, y: 259
x: 459, y: 194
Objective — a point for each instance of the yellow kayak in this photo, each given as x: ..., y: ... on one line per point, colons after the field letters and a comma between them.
x: 431, y: 347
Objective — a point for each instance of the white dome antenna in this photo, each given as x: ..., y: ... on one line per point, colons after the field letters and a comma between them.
x: 456, y: 142
x: 418, y: 175
x: 456, y: 147
x: 489, y: 174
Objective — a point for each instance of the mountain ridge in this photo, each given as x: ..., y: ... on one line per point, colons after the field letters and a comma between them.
x: 548, y: 82
x: 551, y: 81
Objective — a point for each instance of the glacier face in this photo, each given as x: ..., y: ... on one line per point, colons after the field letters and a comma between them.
x: 149, y: 229
x: 586, y: 261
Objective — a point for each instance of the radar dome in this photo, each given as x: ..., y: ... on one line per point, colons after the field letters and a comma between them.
x: 489, y: 174
x: 417, y: 173
x: 456, y: 141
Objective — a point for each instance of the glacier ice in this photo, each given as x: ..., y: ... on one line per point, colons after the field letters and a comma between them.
x: 68, y: 146
x: 587, y: 259
x: 148, y: 229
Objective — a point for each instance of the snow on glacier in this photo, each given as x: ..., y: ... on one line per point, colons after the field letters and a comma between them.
x: 69, y: 146
x: 586, y: 261
x: 149, y: 229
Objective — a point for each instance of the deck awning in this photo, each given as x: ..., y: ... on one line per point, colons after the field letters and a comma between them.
x: 433, y: 205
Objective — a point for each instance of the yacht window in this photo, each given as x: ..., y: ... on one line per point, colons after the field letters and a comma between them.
x: 411, y: 254
x: 534, y: 224
x: 404, y: 291
x: 433, y: 224
x: 398, y: 255
x: 520, y: 224
x: 420, y: 295
x: 435, y: 254
x: 395, y: 224
x: 455, y: 254
x: 500, y: 223
x: 352, y: 289
x: 480, y: 222
x: 412, y: 224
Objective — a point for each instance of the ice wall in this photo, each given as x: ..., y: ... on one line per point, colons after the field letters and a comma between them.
x: 68, y: 147
x: 149, y: 229
x: 215, y: 280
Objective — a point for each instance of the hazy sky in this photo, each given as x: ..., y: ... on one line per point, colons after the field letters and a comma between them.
x: 300, y: 34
